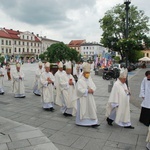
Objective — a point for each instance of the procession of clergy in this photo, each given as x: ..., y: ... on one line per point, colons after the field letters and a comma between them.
x: 76, y: 99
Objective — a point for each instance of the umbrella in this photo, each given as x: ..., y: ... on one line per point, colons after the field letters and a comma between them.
x: 144, y: 59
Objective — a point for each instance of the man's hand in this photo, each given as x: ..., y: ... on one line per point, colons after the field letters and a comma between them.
x: 90, y: 91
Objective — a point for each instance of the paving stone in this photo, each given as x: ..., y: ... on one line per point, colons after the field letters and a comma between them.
x: 25, y: 135
x: 39, y: 140
x: 97, y: 135
x: 81, y: 142
x: 141, y: 140
x: 124, y: 138
x: 3, y: 147
x: 62, y: 147
x: 112, y: 148
x: 18, y: 144
x: 94, y: 144
x: 66, y: 139
x: 4, y: 139
x: 55, y: 125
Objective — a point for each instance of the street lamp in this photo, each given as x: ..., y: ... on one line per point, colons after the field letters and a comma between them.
x: 127, y: 3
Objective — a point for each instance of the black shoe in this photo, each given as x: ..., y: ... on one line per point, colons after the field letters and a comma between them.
x: 37, y: 94
x: 22, y: 96
x: 51, y: 109
x: 129, y: 127
x: 109, y: 121
x: 67, y: 115
x: 95, y: 125
x: 2, y: 93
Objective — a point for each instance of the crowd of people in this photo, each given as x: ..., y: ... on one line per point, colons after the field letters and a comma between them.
x: 76, y: 98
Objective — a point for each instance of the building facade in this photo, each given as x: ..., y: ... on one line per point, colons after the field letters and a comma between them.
x: 76, y: 44
x: 91, y: 50
x: 16, y: 45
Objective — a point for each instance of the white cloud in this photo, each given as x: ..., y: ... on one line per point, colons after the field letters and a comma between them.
x: 62, y: 20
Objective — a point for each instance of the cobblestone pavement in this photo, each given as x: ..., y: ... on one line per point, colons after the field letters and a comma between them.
x: 24, y: 125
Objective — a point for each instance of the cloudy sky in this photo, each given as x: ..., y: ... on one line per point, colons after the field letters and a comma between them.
x: 62, y: 20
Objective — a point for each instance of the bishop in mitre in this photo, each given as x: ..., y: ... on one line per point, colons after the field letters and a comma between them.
x: 118, y: 106
x: 86, y: 106
x: 18, y: 82
x: 47, y: 88
x: 67, y: 87
x: 36, y: 87
x: 58, y: 75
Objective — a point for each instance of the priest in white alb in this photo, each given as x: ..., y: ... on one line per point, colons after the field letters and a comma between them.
x: 58, y: 75
x: 86, y: 107
x: 145, y: 95
x: 67, y: 87
x: 47, y: 88
x: 18, y: 82
x: 36, y: 87
x: 118, y: 106
x: 1, y: 80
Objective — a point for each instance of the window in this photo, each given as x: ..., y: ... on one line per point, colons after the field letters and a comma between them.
x: 31, y: 37
x: 27, y: 50
x: 35, y: 50
x: 19, y: 50
x: 27, y: 44
x: 87, y: 47
x: 23, y: 50
x: 23, y: 36
x: 6, y: 42
x: 147, y: 54
x: 19, y: 42
x: 27, y: 37
x: 9, y: 42
x: 31, y: 43
x: 34, y: 44
x: 15, y: 42
x: 22, y: 43
x: 31, y: 50
x: 2, y: 50
x: 2, y: 42
x: 38, y: 50
x: 9, y: 50
x: 15, y: 50
x: 6, y: 50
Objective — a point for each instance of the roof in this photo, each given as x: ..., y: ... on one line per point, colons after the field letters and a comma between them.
x: 3, y: 34
x: 13, y: 34
x: 76, y: 43
x: 91, y: 44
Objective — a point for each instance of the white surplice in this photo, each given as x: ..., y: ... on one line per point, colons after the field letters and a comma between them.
x: 145, y: 92
x: 118, y: 106
x: 59, y: 97
x: 86, y: 107
x: 47, y: 90
x: 67, y: 93
x: 18, y: 84
x: 1, y: 80
x: 36, y: 87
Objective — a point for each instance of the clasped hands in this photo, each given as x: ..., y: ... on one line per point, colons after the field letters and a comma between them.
x: 90, y: 91
x: 70, y: 82
x: 49, y: 81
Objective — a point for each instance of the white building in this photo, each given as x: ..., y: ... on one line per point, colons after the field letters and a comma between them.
x: 22, y: 45
x: 90, y: 50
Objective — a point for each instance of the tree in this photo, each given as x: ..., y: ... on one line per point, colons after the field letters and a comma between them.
x: 61, y: 52
x: 1, y: 59
x: 113, y: 26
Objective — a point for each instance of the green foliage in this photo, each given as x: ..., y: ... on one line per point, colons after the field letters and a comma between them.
x: 1, y: 58
x: 113, y: 26
x: 117, y: 59
x: 61, y: 52
x: 42, y: 56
